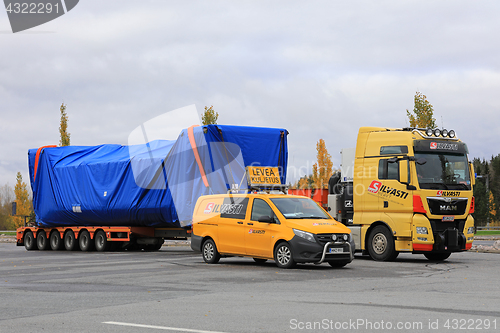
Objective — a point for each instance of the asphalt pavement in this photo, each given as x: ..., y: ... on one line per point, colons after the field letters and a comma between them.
x: 174, y: 290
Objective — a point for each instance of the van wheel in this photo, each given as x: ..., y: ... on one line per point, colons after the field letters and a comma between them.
x: 70, y: 242
x: 381, y: 244
x: 437, y: 256
x: 85, y: 242
x: 101, y: 241
x: 55, y: 241
x: 42, y: 242
x: 283, y: 256
x: 209, y: 252
x: 259, y: 260
x: 29, y: 241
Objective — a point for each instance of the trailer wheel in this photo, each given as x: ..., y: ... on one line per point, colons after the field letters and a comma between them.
x: 70, y: 243
x: 283, y: 256
x: 55, y: 241
x: 209, y: 252
x: 42, y: 242
x: 381, y: 244
x: 437, y: 256
x: 85, y: 242
x: 29, y: 241
x: 101, y: 241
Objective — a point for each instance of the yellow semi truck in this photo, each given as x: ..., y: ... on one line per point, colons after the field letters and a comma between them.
x: 405, y: 190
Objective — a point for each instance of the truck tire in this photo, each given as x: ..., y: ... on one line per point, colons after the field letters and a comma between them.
x: 85, y: 242
x: 29, y: 241
x: 42, y: 242
x: 55, y: 241
x: 70, y: 243
x: 437, y: 256
x: 381, y: 244
x: 101, y: 241
x: 209, y: 252
x: 283, y: 256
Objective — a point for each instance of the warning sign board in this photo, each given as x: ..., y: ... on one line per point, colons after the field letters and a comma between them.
x: 259, y: 176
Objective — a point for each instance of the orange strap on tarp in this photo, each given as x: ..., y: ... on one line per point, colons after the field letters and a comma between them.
x: 196, y: 154
x: 37, y: 156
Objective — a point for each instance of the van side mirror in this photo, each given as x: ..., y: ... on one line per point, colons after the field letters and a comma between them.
x: 403, y: 172
x: 266, y: 219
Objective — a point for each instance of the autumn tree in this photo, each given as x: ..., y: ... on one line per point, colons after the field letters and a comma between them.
x: 209, y: 117
x: 23, y: 201
x: 493, y: 208
x: 423, y: 112
x: 63, y: 127
x: 323, y: 168
x: 304, y: 182
x: 6, y: 198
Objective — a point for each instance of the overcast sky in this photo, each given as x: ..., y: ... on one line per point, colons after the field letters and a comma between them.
x: 320, y: 69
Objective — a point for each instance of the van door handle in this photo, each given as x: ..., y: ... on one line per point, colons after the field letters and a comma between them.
x: 386, y: 204
x: 249, y: 223
x: 240, y: 222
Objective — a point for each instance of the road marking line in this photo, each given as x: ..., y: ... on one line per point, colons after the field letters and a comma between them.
x: 159, y: 327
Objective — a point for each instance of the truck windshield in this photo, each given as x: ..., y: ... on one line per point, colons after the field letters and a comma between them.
x: 299, y: 208
x: 442, y: 171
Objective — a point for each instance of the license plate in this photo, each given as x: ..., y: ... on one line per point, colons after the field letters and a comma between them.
x: 336, y: 250
x: 448, y: 218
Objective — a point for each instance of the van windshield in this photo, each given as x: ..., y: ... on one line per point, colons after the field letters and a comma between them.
x: 299, y: 208
x: 443, y: 171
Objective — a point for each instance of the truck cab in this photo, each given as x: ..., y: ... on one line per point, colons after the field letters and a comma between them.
x: 406, y: 190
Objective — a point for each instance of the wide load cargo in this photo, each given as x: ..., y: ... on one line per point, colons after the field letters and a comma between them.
x: 154, y: 184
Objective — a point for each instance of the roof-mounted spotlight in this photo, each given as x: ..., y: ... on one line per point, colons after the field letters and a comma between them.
x: 437, y: 132
x: 451, y: 134
x: 444, y: 132
x: 429, y: 132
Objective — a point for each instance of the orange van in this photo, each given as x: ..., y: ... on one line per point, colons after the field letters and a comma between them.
x: 284, y: 228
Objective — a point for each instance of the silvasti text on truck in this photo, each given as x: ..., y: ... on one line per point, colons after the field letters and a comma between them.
x: 405, y: 190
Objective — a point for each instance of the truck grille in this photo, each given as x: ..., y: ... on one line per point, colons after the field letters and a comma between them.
x: 447, y: 206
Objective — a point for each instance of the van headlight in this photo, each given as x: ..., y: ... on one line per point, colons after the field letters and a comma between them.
x: 304, y: 234
x: 422, y: 230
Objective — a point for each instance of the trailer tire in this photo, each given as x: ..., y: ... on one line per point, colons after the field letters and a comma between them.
x: 437, y: 256
x: 283, y: 256
x: 29, y: 241
x: 209, y: 252
x: 101, y: 241
x: 85, y: 242
x: 70, y: 242
x: 381, y: 245
x: 42, y: 242
x: 55, y: 241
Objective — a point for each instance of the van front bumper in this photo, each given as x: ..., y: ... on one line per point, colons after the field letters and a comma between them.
x: 306, y: 251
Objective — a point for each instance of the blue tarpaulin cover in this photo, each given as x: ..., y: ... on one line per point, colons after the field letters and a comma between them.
x: 154, y: 184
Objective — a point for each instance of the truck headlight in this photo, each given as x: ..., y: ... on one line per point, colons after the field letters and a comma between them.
x: 422, y: 230
x: 304, y: 234
x: 470, y: 230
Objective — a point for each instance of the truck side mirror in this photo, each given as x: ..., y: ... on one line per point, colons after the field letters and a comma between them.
x: 472, y: 174
x: 403, y: 172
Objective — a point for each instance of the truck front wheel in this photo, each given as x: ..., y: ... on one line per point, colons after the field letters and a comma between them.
x: 381, y: 244
x: 209, y: 252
